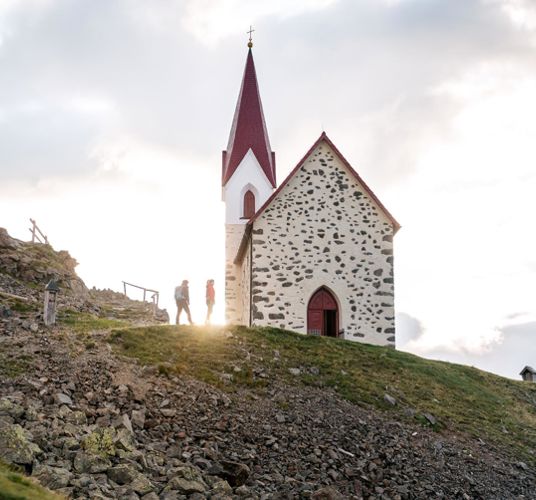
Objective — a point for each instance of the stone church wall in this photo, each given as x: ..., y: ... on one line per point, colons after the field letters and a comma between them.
x: 233, y: 279
x: 245, y: 280
x: 324, y: 230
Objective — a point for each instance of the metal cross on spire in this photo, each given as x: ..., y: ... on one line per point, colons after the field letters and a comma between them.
x: 251, y: 30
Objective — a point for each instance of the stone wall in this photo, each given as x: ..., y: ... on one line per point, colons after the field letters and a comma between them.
x: 233, y: 278
x: 324, y: 230
x: 245, y: 280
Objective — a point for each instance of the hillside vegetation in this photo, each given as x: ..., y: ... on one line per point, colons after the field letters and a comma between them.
x: 14, y: 486
x: 108, y: 405
x: 446, y: 396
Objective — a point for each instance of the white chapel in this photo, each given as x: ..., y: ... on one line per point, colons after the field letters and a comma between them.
x: 314, y: 254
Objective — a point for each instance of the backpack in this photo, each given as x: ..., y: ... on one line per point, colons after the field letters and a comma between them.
x: 178, y: 293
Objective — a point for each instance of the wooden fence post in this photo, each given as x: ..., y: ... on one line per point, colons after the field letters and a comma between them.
x: 32, y: 230
x: 36, y: 232
x: 155, y: 297
x: 51, y: 296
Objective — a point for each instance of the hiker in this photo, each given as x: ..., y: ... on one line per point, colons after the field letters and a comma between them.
x: 182, y: 298
x: 210, y: 296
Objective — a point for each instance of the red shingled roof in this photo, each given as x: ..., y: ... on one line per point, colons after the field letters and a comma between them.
x: 248, y: 129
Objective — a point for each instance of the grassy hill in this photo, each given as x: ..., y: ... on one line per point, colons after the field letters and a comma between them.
x: 285, y: 421
x: 15, y: 486
x: 446, y: 396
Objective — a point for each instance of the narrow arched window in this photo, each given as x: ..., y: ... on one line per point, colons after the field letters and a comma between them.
x: 249, y: 205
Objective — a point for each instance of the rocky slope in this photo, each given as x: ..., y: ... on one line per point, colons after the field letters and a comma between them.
x: 90, y: 424
x: 94, y: 409
x: 26, y: 268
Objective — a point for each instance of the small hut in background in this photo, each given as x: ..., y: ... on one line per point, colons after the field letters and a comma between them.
x: 528, y: 374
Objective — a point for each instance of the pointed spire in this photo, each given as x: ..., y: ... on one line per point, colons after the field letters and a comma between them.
x: 249, y: 129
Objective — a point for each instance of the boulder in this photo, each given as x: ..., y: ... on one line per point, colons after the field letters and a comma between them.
x: 122, y: 474
x: 138, y: 418
x: 8, y: 407
x: 150, y: 496
x: 101, y: 442
x: 123, y: 440
x: 184, y: 486
x: 389, y: 399
x: 141, y: 484
x: 16, y: 446
x: 53, y: 478
x: 63, y: 399
x: 430, y: 418
x: 243, y: 491
x: 221, y: 487
x: 327, y: 493
x: 186, y: 472
x: 235, y: 473
x: 77, y: 418
x: 7, y: 241
x: 126, y: 423
x: 90, y: 463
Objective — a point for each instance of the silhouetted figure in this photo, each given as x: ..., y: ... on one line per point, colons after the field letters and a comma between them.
x: 182, y: 299
x: 211, y: 299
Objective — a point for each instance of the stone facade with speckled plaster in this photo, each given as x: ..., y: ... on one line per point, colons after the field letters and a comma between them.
x: 322, y: 229
x: 245, y: 305
x: 233, y: 275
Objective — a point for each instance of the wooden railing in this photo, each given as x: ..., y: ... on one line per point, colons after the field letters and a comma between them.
x: 37, y: 234
x: 155, y: 297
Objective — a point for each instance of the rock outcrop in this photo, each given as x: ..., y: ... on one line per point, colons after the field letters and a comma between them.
x: 26, y: 268
x: 36, y: 264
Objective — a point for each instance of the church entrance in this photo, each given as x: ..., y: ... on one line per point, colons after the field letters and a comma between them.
x: 323, y: 314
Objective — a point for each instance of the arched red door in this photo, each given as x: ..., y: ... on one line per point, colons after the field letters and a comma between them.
x: 323, y: 314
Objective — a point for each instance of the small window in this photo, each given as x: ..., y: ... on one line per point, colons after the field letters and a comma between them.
x: 249, y: 205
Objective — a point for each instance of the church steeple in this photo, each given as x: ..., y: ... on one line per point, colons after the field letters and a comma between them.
x: 248, y: 130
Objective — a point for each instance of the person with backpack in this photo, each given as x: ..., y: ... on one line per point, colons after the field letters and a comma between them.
x: 210, y: 296
x: 182, y: 299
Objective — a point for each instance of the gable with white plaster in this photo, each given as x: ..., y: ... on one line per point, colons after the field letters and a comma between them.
x: 248, y: 175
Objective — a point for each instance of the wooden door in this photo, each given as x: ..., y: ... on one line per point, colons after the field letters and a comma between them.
x: 323, y: 314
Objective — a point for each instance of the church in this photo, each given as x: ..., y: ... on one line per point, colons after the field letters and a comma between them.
x: 314, y: 254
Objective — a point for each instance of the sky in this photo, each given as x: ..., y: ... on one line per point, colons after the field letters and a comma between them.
x: 113, y: 115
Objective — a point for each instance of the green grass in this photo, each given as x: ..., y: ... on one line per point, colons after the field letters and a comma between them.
x: 461, y: 398
x: 11, y: 366
x: 15, y: 486
x: 18, y: 305
x: 80, y: 322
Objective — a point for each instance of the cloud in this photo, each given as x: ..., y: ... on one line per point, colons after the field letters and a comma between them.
x: 408, y: 330
x: 43, y: 138
x: 371, y: 71
x: 515, y: 349
x: 212, y: 20
x: 521, y: 12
